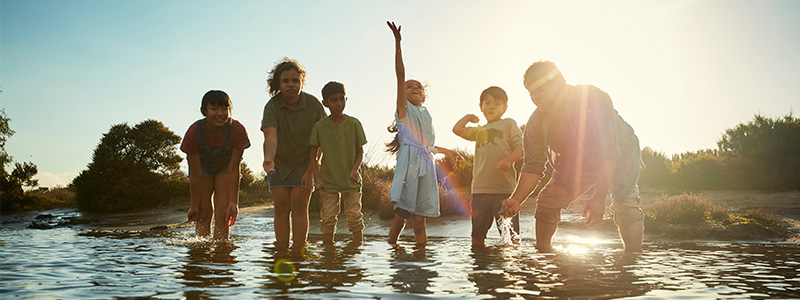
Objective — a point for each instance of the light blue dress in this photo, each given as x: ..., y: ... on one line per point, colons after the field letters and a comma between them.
x: 414, y: 187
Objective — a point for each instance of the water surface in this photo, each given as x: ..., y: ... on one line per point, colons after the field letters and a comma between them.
x: 81, y: 263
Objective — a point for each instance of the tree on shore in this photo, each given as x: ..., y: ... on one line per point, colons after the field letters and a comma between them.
x: 762, y: 154
x: 132, y: 168
x: 12, y: 196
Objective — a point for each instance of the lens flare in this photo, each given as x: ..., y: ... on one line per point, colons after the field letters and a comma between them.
x: 284, y: 269
x: 310, y: 252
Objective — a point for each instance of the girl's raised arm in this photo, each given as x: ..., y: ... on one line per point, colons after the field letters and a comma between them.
x: 401, y: 72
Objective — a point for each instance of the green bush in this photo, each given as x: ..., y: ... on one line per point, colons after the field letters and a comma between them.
x: 132, y: 168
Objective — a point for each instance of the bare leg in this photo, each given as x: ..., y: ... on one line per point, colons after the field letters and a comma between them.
x: 299, y: 216
x: 544, y: 235
x: 358, y: 237
x: 202, y: 226
x: 327, y: 238
x: 419, y: 229
x: 478, y: 242
x: 397, y: 227
x: 281, y: 200
x: 632, y: 236
x: 221, y: 199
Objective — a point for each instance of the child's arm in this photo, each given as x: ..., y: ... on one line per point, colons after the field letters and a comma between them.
x: 400, y: 71
x: 509, y: 160
x: 307, y: 181
x: 452, y: 155
x: 357, y: 164
x: 460, y: 129
x: 313, y: 165
x: 270, y: 147
x: 233, y: 186
x: 195, y: 189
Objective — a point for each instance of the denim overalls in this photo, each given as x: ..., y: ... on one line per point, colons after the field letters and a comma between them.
x: 215, y: 161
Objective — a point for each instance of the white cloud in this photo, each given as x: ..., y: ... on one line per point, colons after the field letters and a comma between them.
x: 50, y: 179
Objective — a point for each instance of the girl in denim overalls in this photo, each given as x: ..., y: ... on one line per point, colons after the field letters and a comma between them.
x: 214, y: 146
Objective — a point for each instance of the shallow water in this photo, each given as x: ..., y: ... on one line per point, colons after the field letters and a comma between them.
x: 80, y: 263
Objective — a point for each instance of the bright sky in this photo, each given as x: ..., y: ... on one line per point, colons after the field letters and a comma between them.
x: 680, y: 72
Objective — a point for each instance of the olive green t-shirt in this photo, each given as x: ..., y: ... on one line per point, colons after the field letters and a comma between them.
x: 294, y: 129
x: 339, y: 144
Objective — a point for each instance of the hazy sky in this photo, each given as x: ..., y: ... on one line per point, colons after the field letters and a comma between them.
x: 680, y: 72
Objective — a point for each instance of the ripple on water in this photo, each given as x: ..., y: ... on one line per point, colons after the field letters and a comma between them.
x: 76, y: 264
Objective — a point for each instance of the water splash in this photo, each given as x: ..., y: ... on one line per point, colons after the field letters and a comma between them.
x: 507, y: 234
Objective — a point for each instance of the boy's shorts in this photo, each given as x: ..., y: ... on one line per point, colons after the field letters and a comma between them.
x: 485, y: 211
x: 293, y: 180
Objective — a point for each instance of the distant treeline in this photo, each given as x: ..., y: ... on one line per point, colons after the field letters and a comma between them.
x: 763, y: 154
x: 138, y: 167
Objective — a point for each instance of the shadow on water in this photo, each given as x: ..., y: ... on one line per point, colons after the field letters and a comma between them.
x: 68, y: 263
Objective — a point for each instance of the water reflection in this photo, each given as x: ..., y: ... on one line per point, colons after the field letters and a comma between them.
x: 74, y: 264
x: 412, y: 271
x: 208, y: 266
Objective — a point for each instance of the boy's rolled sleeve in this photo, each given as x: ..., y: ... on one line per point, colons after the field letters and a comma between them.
x: 534, y: 146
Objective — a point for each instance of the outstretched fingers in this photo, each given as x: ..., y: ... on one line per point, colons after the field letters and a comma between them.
x: 395, y: 30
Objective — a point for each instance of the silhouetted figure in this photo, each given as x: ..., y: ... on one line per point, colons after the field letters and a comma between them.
x: 576, y: 130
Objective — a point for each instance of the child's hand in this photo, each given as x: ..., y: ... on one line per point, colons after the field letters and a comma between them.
x: 307, y: 182
x: 510, y: 208
x: 593, y: 211
x: 472, y: 118
x: 355, y: 177
x: 192, y: 214
x: 503, y: 165
x: 233, y: 212
x: 318, y: 184
x: 395, y: 31
x: 269, y: 166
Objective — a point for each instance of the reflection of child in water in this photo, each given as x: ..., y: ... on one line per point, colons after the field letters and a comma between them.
x: 415, y: 192
x: 214, y: 146
x: 498, y: 144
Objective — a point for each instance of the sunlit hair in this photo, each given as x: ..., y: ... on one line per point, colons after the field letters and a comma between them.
x: 331, y: 88
x: 496, y: 92
x: 542, y: 72
x: 216, y: 98
x: 274, y: 80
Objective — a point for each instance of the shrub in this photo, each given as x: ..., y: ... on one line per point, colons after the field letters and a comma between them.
x: 376, y: 188
x: 686, y: 208
x: 761, y: 217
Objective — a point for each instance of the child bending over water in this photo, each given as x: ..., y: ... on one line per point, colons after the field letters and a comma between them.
x: 214, y: 146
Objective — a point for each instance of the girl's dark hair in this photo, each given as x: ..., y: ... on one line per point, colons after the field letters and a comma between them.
x: 393, y: 146
x: 274, y: 79
x: 215, y: 97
